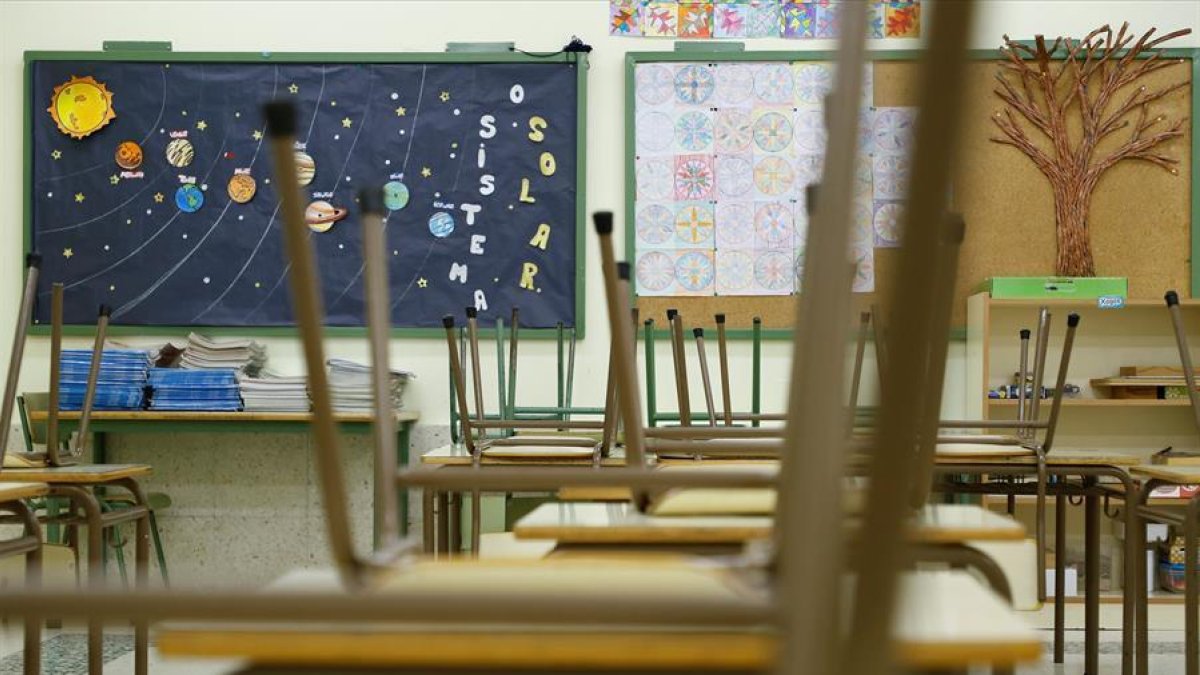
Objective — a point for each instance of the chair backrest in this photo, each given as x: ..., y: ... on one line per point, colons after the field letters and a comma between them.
x: 33, y: 263
x: 35, y: 432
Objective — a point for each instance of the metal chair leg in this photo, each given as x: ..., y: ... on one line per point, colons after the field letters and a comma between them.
x: 159, y: 551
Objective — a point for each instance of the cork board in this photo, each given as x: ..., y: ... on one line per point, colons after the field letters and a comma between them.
x: 1140, y: 216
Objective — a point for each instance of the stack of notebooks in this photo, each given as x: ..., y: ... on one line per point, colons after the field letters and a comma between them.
x: 121, y: 384
x: 208, y: 389
x: 350, y: 386
x: 274, y: 393
x: 242, y: 355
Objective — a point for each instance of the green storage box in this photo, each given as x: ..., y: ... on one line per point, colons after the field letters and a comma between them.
x: 1056, y: 287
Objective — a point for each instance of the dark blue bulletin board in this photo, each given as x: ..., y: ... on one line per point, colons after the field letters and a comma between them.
x: 481, y: 161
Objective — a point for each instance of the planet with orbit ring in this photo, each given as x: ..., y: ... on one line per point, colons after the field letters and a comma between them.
x: 321, y: 215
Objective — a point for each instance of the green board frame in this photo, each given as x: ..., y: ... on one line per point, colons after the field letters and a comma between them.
x: 729, y: 53
x: 160, y: 53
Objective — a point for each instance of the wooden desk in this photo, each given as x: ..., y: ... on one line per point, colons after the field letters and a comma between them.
x: 458, y: 455
x: 104, y: 422
x: 1168, y: 473
x: 945, y: 620
x: 13, y: 491
x: 1055, y: 458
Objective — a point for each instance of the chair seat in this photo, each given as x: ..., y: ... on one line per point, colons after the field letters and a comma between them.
x: 1170, y: 473
x: 547, y: 439
x: 538, y: 452
x: 713, y: 501
x: 981, y: 450
x: 78, y: 474
x: 24, y: 460
x: 13, y: 491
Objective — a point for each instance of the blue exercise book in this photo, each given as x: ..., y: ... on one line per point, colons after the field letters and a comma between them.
x: 114, y: 399
x: 197, y: 406
x: 160, y: 377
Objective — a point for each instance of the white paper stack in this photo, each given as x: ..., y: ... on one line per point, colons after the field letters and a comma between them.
x: 350, y: 386
x: 243, y: 355
x: 274, y: 393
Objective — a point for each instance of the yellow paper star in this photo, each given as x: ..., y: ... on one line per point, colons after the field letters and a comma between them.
x: 201, y: 125
x: 445, y: 96
x: 67, y: 252
x: 79, y: 197
x: 114, y: 179
x: 257, y: 135
x: 401, y: 111
x: 293, y: 88
x: 158, y: 197
x: 422, y: 282
x: 346, y: 122
x: 426, y: 172
x: 57, y: 154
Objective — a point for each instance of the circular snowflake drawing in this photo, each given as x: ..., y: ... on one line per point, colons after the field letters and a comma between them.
x: 773, y: 83
x: 735, y: 83
x: 655, y: 271
x: 813, y: 82
x: 655, y: 224
x: 693, y: 179
x: 810, y: 131
x: 694, y: 223
x: 654, y: 130
x: 890, y: 176
x: 735, y: 176
x: 893, y: 131
x: 653, y: 179
x: 887, y: 223
x: 773, y: 225
x: 809, y: 168
x: 774, y: 176
x: 772, y: 132
x: 694, y: 131
x: 735, y: 224
x: 735, y: 271
x: 774, y: 271
x: 654, y: 83
x: 733, y: 131
x: 694, y: 271
x: 694, y: 84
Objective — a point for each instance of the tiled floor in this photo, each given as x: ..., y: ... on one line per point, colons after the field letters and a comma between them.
x: 64, y: 654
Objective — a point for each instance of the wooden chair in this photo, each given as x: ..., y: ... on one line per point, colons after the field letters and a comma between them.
x: 14, y: 499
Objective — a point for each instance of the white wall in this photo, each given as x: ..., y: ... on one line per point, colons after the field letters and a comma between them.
x: 425, y: 25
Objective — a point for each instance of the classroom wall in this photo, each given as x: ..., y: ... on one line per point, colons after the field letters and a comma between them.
x: 425, y: 25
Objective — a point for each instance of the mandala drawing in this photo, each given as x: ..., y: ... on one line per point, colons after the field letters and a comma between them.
x: 694, y: 177
x: 862, y: 229
x: 654, y: 178
x: 694, y: 224
x: 798, y: 266
x: 655, y: 272
x: 887, y: 222
x: 809, y: 169
x: 773, y: 270
x: 810, y: 131
x: 733, y: 130
x: 773, y: 225
x: 735, y: 271
x: 735, y: 83
x: 735, y: 224
x: 866, y: 131
x: 655, y: 224
x: 654, y: 131
x: 774, y: 176
x: 890, y: 176
x: 773, y: 83
x: 735, y: 176
x: 695, y: 271
x: 813, y: 82
x: 694, y: 131
x: 773, y: 132
x: 893, y: 130
x: 654, y: 83
x: 694, y: 84
x: 864, y: 273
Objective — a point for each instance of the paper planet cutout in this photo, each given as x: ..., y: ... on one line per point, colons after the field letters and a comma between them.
x: 129, y: 155
x: 180, y: 152
x: 80, y: 106
x: 441, y: 224
x: 189, y: 198
x: 395, y: 195
x: 306, y: 168
x: 320, y: 216
x: 242, y: 187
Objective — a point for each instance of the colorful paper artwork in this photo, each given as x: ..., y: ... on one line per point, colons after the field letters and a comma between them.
x: 891, y: 149
x: 81, y: 106
x: 740, y: 19
x: 724, y: 153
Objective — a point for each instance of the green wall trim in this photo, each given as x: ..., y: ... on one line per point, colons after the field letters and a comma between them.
x: 146, y: 51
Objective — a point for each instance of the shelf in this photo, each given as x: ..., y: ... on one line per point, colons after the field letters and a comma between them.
x: 1099, y: 403
x: 1023, y: 500
x: 1087, y: 303
x: 1111, y: 598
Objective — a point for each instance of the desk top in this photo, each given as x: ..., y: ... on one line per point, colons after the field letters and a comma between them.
x: 211, y: 416
x: 1180, y: 475
x: 945, y: 619
x: 1055, y: 458
x: 13, y: 491
x: 80, y: 474
x: 457, y: 455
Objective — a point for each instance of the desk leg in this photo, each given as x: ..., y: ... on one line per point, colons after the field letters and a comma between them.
x: 443, y: 523
x: 1091, y: 649
x: 476, y: 522
x: 456, y: 539
x: 427, y: 521
x: 403, y: 436
x: 86, y: 502
x: 1060, y: 567
x: 1191, y: 597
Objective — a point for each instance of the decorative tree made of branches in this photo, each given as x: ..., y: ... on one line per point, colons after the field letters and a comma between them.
x: 1089, y: 108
